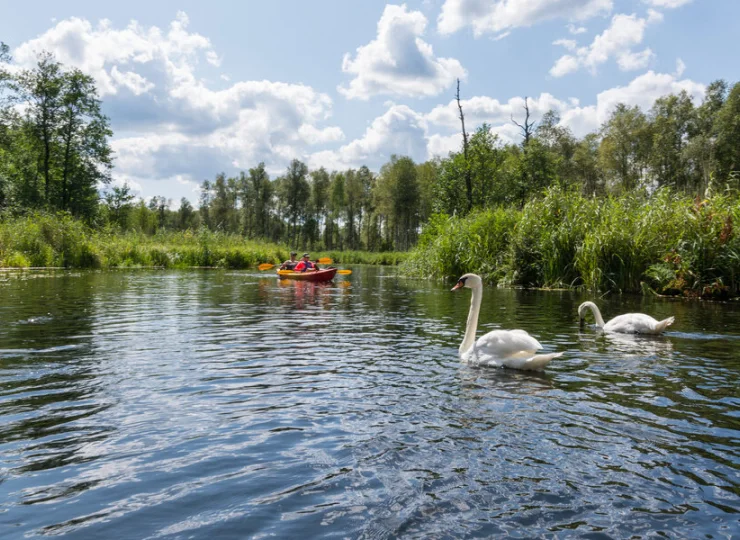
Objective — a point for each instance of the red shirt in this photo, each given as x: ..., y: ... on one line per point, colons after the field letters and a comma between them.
x: 303, y: 266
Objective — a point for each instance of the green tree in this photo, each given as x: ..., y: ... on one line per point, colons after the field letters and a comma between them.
x: 727, y: 129
x: 671, y: 119
x: 186, y: 216
x: 624, y: 147
x: 119, y: 201
x: 86, y: 157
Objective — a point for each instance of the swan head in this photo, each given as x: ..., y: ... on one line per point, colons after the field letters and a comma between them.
x: 583, y: 309
x: 468, y: 280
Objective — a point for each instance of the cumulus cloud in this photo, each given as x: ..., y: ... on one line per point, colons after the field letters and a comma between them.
x: 680, y: 67
x: 398, y: 61
x: 171, y: 126
x: 641, y: 91
x: 400, y: 130
x: 575, y: 30
x: 496, y: 16
x: 667, y: 3
x: 617, y: 41
x: 481, y: 109
x: 444, y: 124
x: 569, y: 44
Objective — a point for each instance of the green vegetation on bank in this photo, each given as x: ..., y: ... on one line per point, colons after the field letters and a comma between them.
x: 649, y: 197
x: 42, y: 240
x: 673, y: 244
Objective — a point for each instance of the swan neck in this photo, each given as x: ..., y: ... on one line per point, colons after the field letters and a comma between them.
x: 597, y: 315
x: 472, y: 326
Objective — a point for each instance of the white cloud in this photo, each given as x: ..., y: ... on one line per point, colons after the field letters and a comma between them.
x: 442, y: 145
x: 481, y: 109
x: 630, y: 61
x: 670, y: 4
x: 575, y: 30
x: 495, y: 16
x: 569, y: 44
x: 641, y: 91
x: 624, y: 32
x: 398, y: 61
x: 680, y: 67
x: 171, y: 126
x: 400, y: 130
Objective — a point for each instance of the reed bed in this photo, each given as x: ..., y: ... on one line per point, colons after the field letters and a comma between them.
x: 44, y: 240
x: 663, y: 243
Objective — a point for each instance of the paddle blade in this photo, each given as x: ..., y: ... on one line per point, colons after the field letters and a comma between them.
x: 285, y: 272
x: 344, y: 272
x: 265, y: 266
x: 325, y: 260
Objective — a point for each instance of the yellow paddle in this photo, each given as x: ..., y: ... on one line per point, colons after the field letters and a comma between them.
x: 289, y: 272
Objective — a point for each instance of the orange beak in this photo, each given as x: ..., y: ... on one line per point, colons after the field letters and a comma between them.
x: 459, y: 285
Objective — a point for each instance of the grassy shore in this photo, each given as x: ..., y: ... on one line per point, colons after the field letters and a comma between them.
x: 667, y: 243
x: 61, y: 241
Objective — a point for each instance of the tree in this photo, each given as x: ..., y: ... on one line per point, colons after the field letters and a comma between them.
x: 727, y: 129
x: 119, y: 201
x: 528, y: 127
x: 319, y: 201
x: 204, y: 203
x: 296, y: 196
x: 671, y: 119
x: 186, y: 216
x: 86, y: 157
x: 336, y: 208
x: 700, y: 151
x: 42, y: 88
x: 466, y: 171
x: 586, y: 170
x: 625, y: 146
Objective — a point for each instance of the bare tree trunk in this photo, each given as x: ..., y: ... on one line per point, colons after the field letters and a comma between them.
x: 528, y: 127
x: 468, y: 180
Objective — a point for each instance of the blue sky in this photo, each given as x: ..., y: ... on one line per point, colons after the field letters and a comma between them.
x: 196, y: 88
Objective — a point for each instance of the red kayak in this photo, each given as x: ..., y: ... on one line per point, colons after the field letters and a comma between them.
x: 326, y: 274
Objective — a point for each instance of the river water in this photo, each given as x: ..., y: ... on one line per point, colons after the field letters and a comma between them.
x: 217, y: 404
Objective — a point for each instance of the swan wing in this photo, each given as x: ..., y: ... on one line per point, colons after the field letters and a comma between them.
x: 533, y: 363
x: 636, y: 323
x: 507, y: 344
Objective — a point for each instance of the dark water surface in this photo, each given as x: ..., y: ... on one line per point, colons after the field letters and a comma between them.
x: 216, y: 404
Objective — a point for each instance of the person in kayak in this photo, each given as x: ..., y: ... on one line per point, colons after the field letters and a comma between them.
x: 306, y: 265
x: 291, y: 264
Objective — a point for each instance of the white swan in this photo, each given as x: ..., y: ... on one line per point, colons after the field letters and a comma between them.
x: 629, y: 323
x: 508, y: 348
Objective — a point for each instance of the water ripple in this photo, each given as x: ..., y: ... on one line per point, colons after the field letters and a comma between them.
x: 230, y: 405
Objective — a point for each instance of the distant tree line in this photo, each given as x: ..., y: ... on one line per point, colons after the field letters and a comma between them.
x: 55, y: 156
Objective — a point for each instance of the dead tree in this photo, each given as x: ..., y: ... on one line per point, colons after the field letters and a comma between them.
x: 527, y: 128
x: 468, y: 180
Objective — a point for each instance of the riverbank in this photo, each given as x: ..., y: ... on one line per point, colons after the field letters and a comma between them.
x: 61, y: 241
x: 667, y: 243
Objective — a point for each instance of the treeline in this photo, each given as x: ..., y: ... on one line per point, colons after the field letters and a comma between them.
x: 54, y: 155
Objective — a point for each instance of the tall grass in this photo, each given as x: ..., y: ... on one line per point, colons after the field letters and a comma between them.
x: 670, y: 243
x: 61, y: 241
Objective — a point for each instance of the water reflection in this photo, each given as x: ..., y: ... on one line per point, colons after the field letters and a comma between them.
x: 233, y: 404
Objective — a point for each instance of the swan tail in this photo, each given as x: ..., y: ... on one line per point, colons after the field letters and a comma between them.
x: 665, y: 323
x: 539, y: 361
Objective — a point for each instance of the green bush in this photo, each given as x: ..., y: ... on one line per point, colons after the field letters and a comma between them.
x: 675, y: 244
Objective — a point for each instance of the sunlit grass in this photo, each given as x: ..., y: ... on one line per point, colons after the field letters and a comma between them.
x: 670, y: 243
x: 60, y: 241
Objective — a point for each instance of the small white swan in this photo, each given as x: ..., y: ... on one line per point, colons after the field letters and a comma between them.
x: 629, y: 323
x: 500, y: 348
